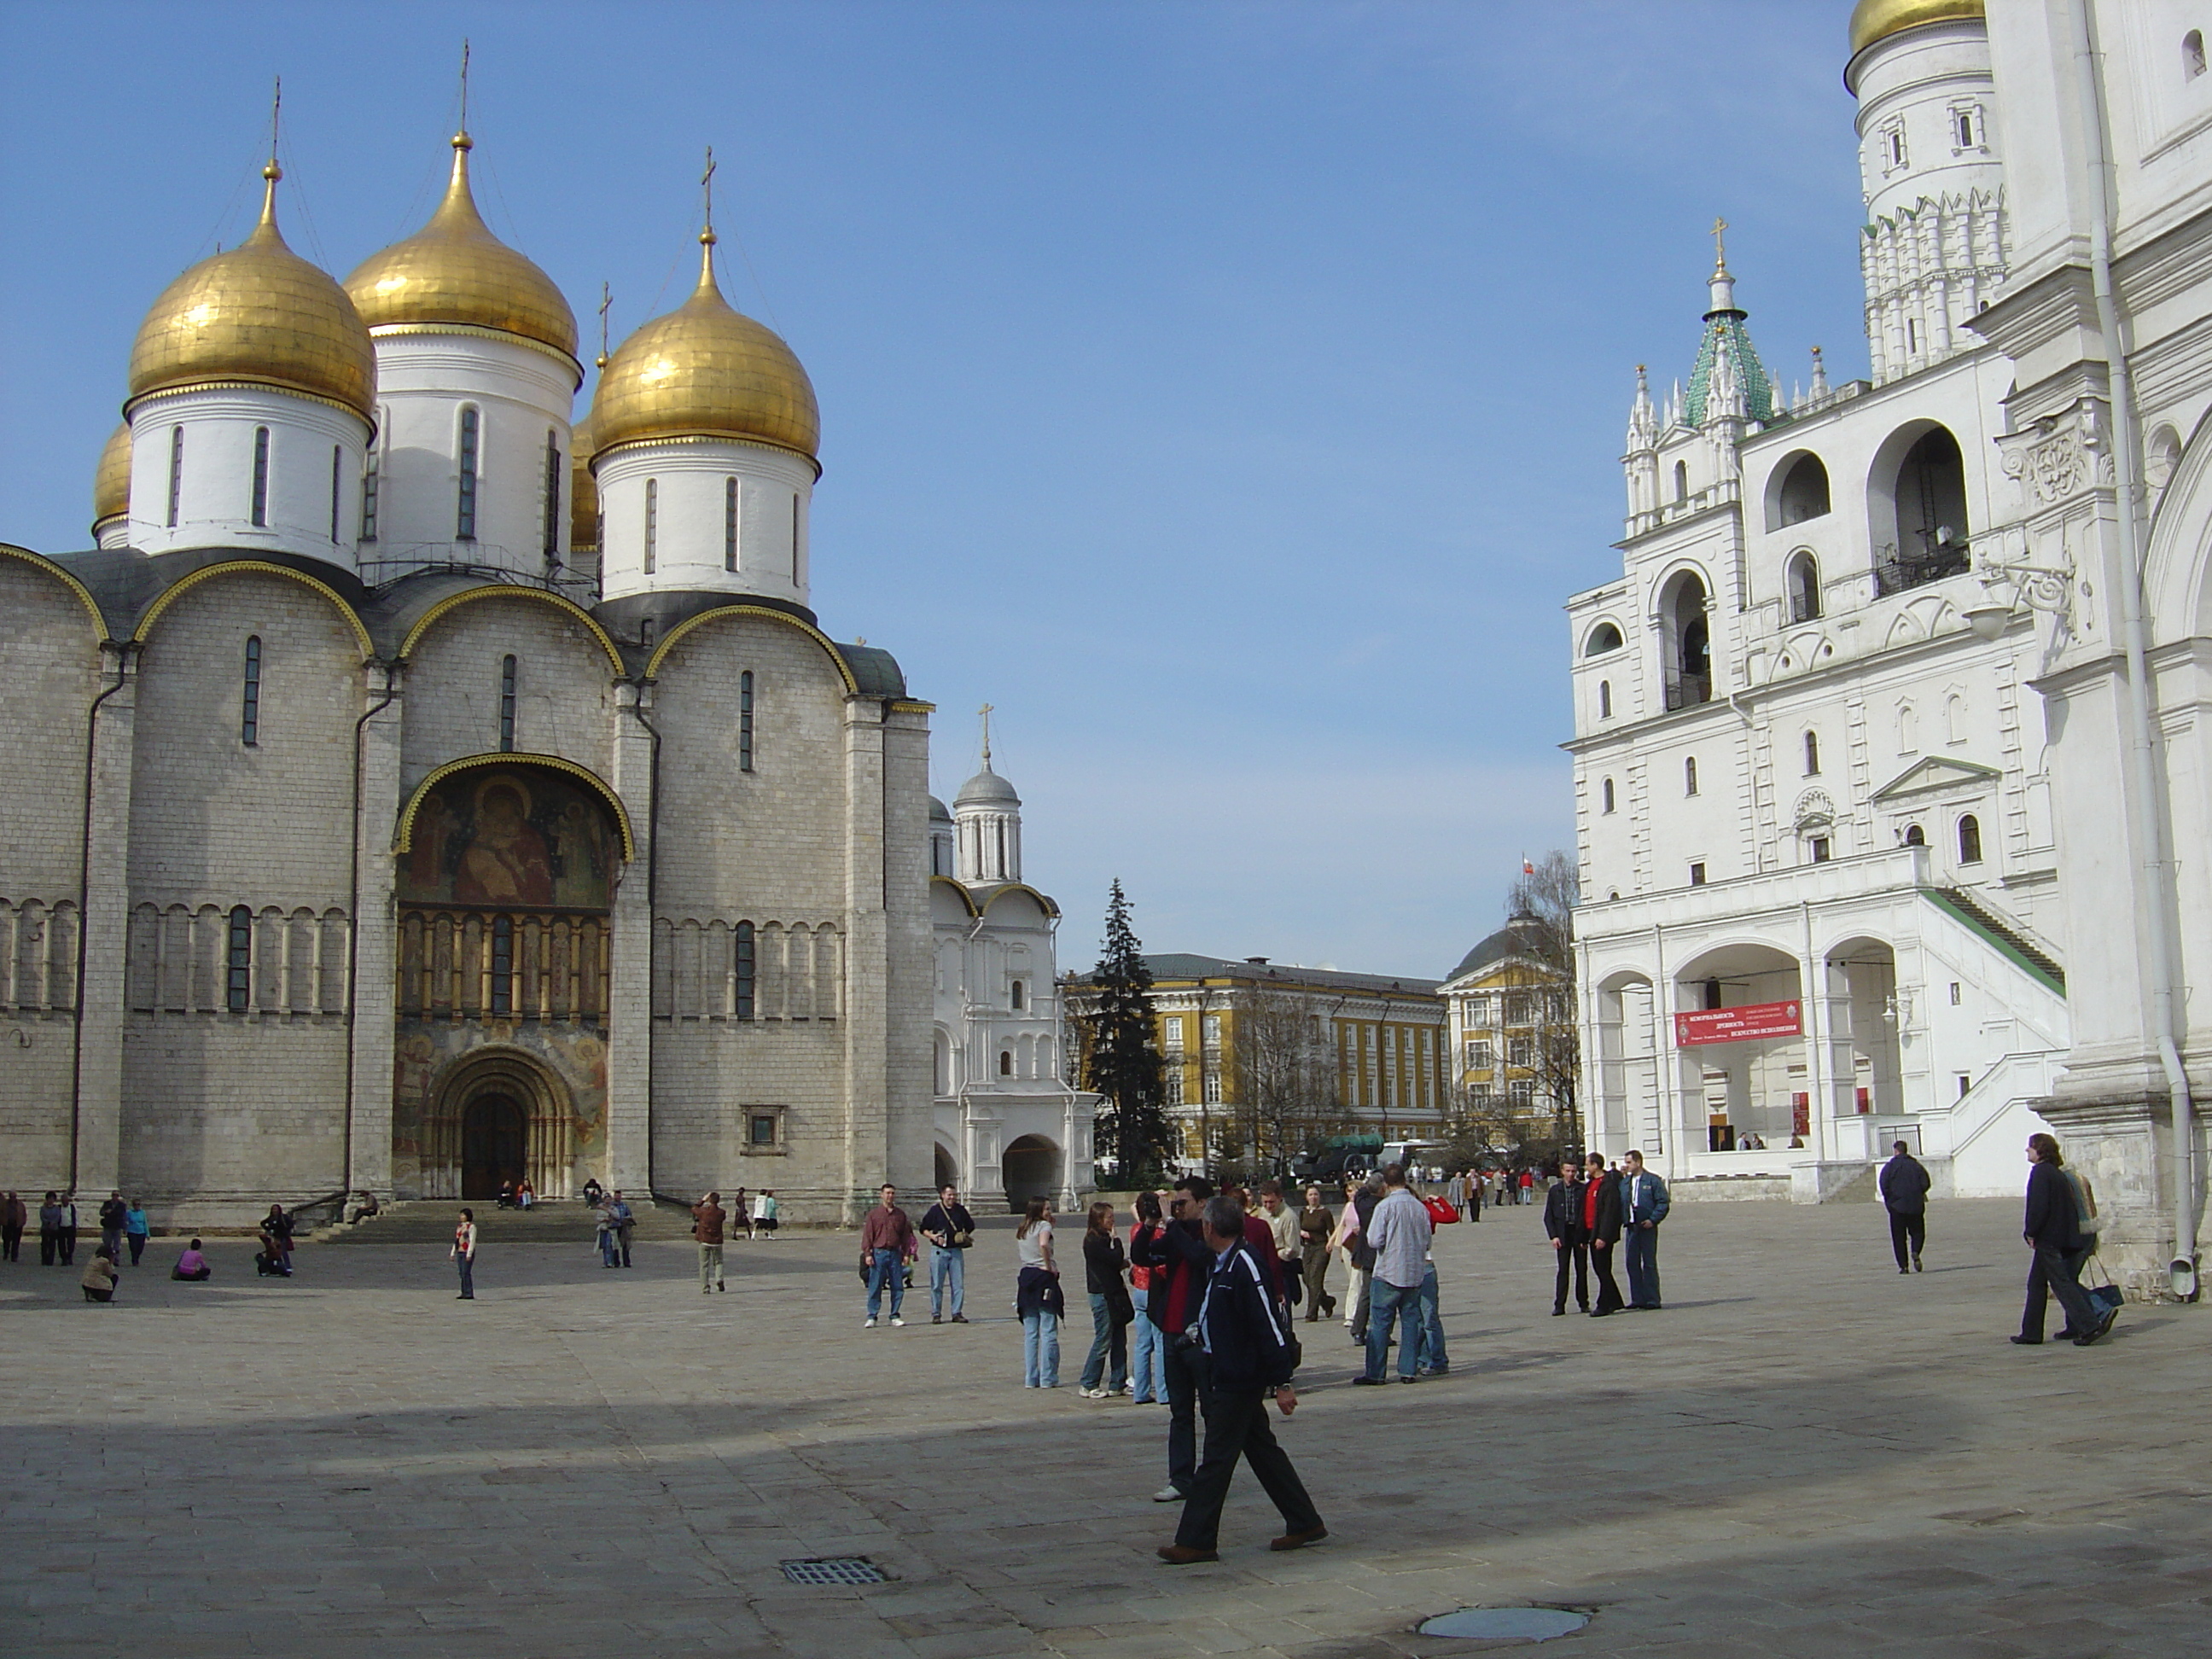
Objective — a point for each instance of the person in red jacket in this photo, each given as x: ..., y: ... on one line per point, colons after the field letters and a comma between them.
x: 1601, y: 1226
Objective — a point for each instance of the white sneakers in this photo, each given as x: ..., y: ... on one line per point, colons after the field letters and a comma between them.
x: 896, y: 1320
x: 870, y: 1326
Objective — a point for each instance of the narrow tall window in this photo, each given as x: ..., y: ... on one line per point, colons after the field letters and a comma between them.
x: 1915, y: 836
x: 1690, y: 776
x: 1607, y: 793
x: 372, y: 484
x: 652, y: 522
x: 337, y: 476
x: 465, y: 516
x: 553, y: 472
x: 1015, y: 993
x: 507, y: 705
x: 1970, y: 839
x: 794, y: 535
x: 729, y: 524
x: 249, y: 710
x: 745, y: 721
x: 1812, y: 754
x: 2192, y: 54
x: 1681, y: 481
x: 747, y: 970
x: 261, y: 475
x: 1605, y: 700
x: 176, y: 472
x: 237, y: 961
x: 502, y: 964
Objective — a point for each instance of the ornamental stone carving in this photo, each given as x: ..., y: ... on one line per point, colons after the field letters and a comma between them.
x: 2060, y: 456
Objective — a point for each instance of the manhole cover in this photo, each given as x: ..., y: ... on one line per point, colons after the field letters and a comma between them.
x: 1507, y: 1623
x: 834, y: 1569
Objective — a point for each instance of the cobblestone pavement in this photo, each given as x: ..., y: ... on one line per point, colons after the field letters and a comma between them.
x: 1805, y: 1455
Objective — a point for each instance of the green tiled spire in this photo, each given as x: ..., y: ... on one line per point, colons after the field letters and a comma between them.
x: 1725, y: 333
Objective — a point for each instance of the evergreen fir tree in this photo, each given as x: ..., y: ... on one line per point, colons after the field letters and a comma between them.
x: 1124, y: 1065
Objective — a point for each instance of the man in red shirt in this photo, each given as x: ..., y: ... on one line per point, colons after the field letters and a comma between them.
x: 886, y: 1242
x: 1601, y: 1226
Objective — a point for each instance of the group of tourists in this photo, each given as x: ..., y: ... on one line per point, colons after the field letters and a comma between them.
x: 123, y: 1225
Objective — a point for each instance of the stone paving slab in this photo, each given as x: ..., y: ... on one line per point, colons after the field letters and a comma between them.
x: 1806, y: 1455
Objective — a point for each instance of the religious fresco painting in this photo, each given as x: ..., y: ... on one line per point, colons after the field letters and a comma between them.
x: 510, y: 839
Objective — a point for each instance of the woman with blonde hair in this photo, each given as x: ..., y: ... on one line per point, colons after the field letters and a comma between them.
x: 1038, y: 1296
x: 1111, y: 1310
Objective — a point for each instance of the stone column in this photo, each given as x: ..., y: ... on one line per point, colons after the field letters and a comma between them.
x: 104, y: 926
x: 868, y: 957
x: 629, y: 979
x: 909, y: 976
x: 372, y: 988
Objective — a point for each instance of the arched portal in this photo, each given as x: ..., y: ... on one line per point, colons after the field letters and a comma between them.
x: 1030, y: 1169
x: 1763, y: 1087
x: 498, y: 1115
x: 948, y: 1172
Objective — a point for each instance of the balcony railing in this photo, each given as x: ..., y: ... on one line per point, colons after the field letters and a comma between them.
x: 497, y: 964
x: 1688, y: 690
x: 1904, y: 569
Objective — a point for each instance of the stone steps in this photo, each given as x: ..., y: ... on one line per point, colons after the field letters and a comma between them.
x: 559, y: 1221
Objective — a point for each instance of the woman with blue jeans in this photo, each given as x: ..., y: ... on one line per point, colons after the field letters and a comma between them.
x: 1149, y: 1364
x: 1038, y: 1296
x: 1111, y: 1308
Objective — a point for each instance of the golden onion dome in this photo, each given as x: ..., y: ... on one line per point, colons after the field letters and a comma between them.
x: 583, y: 489
x: 1877, y: 20
x: 258, y: 315
x: 705, y: 370
x: 111, y: 484
x: 454, y: 271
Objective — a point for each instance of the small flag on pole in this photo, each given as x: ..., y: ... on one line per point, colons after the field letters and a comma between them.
x: 1527, y: 868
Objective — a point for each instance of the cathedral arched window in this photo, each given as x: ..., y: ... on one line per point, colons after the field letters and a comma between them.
x: 745, y: 970
x: 237, y: 961
x: 729, y: 524
x: 372, y: 478
x: 1687, y: 642
x: 555, y: 474
x: 1970, y: 839
x: 464, y: 513
x: 1606, y: 794
x: 337, y: 481
x: 507, y: 705
x: 1604, y: 638
x: 176, y: 472
x: 2192, y: 54
x: 249, y: 703
x: 1812, y: 754
x: 1915, y: 836
x: 1681, y: 481
x: 652, y: 523
x: 1006, y: 1062
x: 1605, y: 700
x: 745, y: 721
x: 1690, y: 776
x: 502, y: 964
x: 261, y: 475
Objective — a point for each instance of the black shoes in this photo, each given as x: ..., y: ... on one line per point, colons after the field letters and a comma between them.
x: 1363, y: 1381
x: 2103, y: 1325
x: 2027, y: 1341
x: 1915, y: 1264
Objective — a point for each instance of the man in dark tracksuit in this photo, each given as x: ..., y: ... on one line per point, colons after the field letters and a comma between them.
x: 1905, y: 1186
x: 1602, y: 1225
x: 1563, y: 1224
x: 2052, y: 1228
x: 1244, y: 1328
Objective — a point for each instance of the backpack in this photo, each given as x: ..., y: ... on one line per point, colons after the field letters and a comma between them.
x: 2086, y: 1221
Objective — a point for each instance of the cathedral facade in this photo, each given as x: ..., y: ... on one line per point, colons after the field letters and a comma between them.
x: 1889, y: 750
x: 418, y: 788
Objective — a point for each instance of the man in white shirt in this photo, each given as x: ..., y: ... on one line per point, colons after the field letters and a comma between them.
x: 1399, y: 1233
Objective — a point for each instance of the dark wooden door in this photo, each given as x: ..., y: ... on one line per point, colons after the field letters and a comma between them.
x: 493, y: 1145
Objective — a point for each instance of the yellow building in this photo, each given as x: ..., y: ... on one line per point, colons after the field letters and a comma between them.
x: 1269, y: 1058
x: 1510, y: 1011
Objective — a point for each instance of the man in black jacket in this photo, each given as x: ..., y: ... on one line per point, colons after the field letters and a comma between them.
x: 1563, y: 1224
x: 1905, y: 1195
x: 2053, y: 1229
x: 1601, y: 1226
x: 1244, y: 1327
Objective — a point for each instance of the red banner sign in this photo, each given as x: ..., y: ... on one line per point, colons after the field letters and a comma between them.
x: 1748, y: 1025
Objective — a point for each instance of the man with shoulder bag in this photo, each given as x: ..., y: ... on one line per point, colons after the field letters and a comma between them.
x: 950, y: 1230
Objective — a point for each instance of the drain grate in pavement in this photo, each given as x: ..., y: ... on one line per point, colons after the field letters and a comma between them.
x: 834, y: 1569
x: 1507, y: 1623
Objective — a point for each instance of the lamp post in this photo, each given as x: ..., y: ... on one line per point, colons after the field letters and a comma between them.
x: 2023, y: 586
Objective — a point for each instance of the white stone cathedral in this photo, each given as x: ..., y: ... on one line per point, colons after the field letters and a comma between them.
x: 1889, y: 753
x: 419, y: 789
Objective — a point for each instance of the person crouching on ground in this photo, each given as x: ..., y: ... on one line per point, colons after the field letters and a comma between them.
x: 99, y: 1281
x: 1244, y: 1330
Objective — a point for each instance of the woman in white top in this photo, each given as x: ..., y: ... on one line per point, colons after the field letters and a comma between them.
x: 1038, y: 1296
x: 464, y: 1255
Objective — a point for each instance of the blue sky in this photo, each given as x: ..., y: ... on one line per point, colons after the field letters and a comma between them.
x: 1228, y: 394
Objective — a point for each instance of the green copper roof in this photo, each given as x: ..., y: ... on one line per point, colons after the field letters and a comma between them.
x: 1758, y: 391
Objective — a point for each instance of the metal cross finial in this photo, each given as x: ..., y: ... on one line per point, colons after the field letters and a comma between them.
x: 465, y: 83
x: 707, y: 186
x: 985, y: 711
x: 1720, y: 248
x: 606, y: 299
